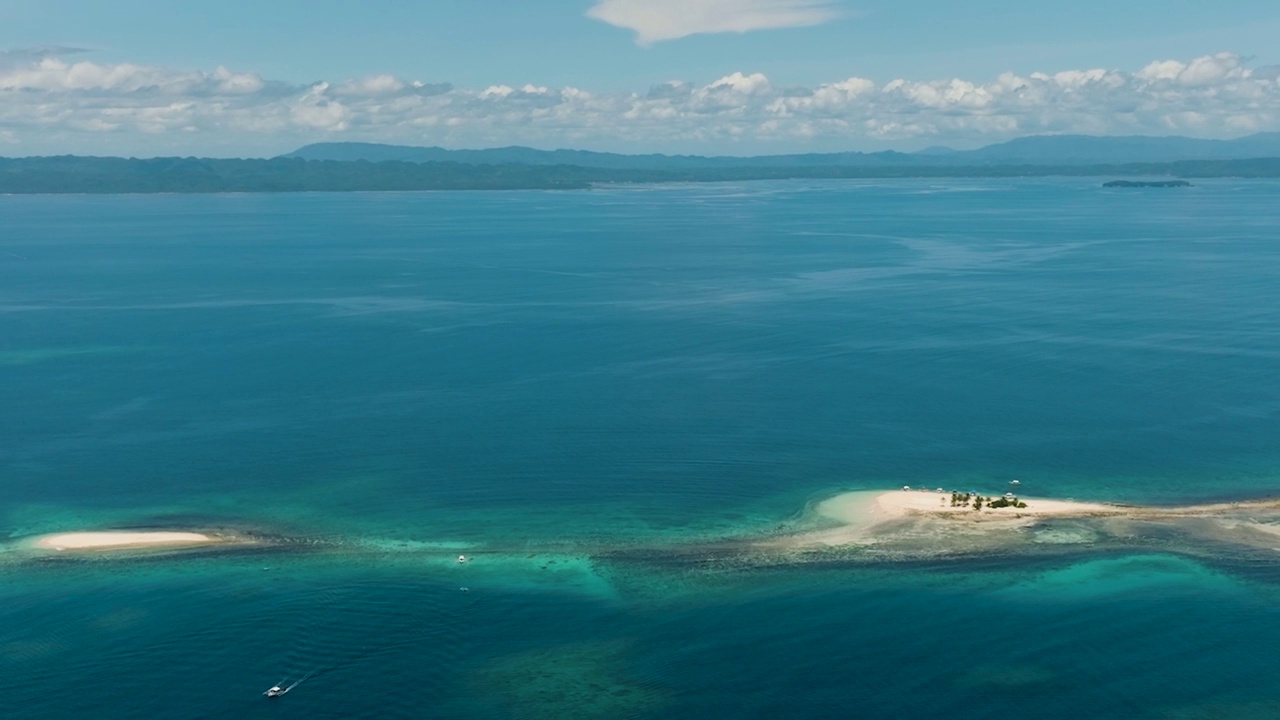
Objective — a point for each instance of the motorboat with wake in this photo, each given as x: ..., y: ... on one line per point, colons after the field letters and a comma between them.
x: 280, y: 688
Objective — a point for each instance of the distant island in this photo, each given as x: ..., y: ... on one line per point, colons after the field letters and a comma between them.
x: 345, y: 167
x: 1146, y: 184
x: 1034, y: 150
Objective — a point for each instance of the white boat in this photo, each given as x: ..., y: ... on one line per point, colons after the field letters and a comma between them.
x: 276, y: 691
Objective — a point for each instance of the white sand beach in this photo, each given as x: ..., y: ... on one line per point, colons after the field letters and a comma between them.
x: 863, y: 513
x: 927, y: 516
x: 123, y: 540
x: 901, y: 503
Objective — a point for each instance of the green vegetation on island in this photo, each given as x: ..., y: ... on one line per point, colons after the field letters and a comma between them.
x: 959, y: 499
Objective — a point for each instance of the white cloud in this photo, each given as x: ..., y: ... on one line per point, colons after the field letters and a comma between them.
x: 1162, y: 70
x: 49, y: 105
x: 375, y: 86
x: 1204, y: 70
x: 658, y: 20
x: 497, y: 91
x: 1210, y: 69
x: 740, y: 84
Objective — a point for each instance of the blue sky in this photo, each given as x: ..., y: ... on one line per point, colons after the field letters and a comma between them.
x: 724, y: 76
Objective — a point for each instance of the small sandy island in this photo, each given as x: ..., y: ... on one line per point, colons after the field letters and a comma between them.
x: 905, y: 503
x: 125, y: 540
x: 869, y: 517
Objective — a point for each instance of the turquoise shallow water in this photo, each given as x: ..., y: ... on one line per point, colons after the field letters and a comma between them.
x: 519, y: 374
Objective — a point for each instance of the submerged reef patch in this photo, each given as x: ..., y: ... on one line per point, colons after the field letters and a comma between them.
x: 580, y: 680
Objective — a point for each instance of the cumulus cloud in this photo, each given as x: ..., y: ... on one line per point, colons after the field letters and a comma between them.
x: 1205, y: 70
x: 49, y: 104
x: 658, y: 20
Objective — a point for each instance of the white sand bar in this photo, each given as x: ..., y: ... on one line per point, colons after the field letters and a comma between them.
x: 874, y: 517
x: 910, y: 502
x: 865, y: 508
x: 122, y: 540
x: 862, y: 514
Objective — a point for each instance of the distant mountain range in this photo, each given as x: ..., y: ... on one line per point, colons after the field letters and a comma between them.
x: 338, y: 167
x: 1038, y: 150
x: 70, y: 174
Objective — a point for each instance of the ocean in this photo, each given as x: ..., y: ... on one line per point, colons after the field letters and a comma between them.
x: 565, y: 385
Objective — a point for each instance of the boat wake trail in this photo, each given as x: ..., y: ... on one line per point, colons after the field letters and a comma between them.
x: 338, y: 628
x: 300, y: 680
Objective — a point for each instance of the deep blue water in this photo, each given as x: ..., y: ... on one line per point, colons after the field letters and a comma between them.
x: 513, y: 370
